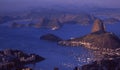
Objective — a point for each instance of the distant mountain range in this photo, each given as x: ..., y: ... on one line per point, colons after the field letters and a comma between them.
x: 49, y: 21
x: 54, y: 18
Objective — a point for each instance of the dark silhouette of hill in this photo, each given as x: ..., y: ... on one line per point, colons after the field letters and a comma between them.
x: 98, y: 39
x: 50, y: 37
x: 98, y: 26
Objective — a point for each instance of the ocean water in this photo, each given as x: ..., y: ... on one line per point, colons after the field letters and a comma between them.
x: 65, y: 58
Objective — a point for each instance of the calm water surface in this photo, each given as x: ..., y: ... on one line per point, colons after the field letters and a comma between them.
x: 65, y: 58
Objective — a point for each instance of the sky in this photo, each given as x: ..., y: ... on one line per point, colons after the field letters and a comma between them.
x: 6, y: 5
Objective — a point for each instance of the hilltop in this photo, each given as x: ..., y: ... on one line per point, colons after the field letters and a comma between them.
x: 99, y: 38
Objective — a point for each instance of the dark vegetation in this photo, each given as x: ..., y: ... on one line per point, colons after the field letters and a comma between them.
x: 104, y: 64
x: 50, y: 37
x: 17, y: 59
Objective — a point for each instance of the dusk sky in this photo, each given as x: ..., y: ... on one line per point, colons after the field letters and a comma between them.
x: 25, y: 4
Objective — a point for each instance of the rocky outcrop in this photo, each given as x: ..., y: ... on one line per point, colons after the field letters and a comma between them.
x: 98, y: 26
x: 95, y: 41
x: 50, y: 37
x: 98, y: 39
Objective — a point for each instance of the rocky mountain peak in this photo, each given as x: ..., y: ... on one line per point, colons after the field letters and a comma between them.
x: 98, y: 26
